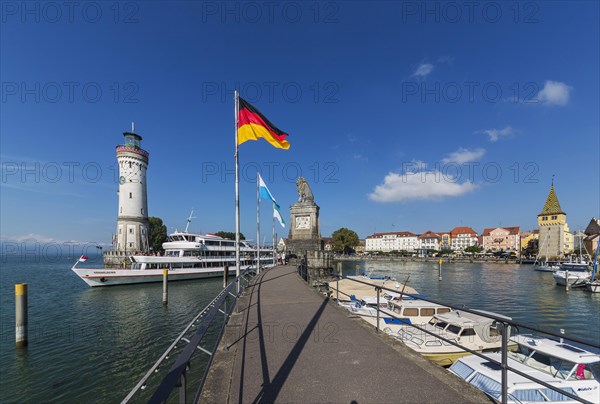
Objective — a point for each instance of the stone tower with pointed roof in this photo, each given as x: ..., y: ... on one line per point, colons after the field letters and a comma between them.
x: 555, y: 239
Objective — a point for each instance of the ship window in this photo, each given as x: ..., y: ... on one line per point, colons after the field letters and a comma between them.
x: 427, y: 312
x: 443, y: 310
x: 454, y: 329
x: 528, y: 395
x: 467, y: 332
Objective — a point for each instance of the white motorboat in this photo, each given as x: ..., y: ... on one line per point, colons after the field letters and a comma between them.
x: 575, y: 273
x: 593, y: 285
x: 187, y: 256
x: 400, y: 313
x: 570, y: 368
x: 475, y: 332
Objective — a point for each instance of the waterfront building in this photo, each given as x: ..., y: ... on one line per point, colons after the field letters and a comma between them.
x: 462, y: 237
x: 132, y: 222
x: 502, y: 239
x: 392, y: 241
x: 527, y: 236
x: 445, y: 240
x: 555, y: 240
x: 429, y: 241
x: 592, y: 233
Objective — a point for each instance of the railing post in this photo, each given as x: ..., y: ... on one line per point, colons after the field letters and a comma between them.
x: 505, y: 330
x: 378, y: 290
x: 182, y: 395
x: 225, y: 276
x: 337, y: 287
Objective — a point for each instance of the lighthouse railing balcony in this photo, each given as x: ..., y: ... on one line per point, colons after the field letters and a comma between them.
x: 132, y: 149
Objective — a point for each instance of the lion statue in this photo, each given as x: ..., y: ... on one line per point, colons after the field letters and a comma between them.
x: 304, y: 192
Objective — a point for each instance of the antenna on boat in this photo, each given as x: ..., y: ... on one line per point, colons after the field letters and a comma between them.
x: 189, y: 220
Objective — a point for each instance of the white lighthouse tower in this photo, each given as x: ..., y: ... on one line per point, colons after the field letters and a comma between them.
x: 132, y: 223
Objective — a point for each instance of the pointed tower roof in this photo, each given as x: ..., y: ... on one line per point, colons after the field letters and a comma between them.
x: 552, y: 207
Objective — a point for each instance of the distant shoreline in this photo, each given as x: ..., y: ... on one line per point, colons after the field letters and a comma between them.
x: 492, y: 260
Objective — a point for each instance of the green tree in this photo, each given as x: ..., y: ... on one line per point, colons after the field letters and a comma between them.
x: 230, y: 235
x: 446, y: 251
x: 158, y: 233
x: 344, y: 240
x: 474, y: 249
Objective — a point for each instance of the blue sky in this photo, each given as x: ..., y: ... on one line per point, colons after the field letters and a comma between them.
x: 400, y: 117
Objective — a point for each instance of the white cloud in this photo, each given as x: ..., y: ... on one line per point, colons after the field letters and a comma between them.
x: 495, y: 134
x: 419, y: 186
x: 423, y: 70
x: 555, y: 93
x: 462, y: 156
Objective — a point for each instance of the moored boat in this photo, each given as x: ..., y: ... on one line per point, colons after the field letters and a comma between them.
x: 475, y: 332
x: 567, y: 367
x: 576, y: 274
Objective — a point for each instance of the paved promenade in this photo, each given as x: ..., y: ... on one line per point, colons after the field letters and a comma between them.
x: 290, y: 344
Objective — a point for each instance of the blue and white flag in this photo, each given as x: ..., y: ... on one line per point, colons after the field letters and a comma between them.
x: 263, y: 190
x: 277, y: 214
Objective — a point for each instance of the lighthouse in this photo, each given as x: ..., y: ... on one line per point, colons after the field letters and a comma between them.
x: 132, y: 223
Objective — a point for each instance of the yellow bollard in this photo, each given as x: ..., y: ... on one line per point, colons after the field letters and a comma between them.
x: 440, y: 270
x: 21, y: 314
x: 165, y: 287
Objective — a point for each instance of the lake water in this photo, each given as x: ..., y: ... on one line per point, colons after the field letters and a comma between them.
x: 94, y: 345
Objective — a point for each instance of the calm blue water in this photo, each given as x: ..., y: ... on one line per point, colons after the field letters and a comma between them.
x: 93, y: 345
x: 85, y: 344
x: 517, y: 291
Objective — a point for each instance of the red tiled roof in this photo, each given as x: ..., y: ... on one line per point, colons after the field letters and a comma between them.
x: 463, y: 230
x: 429, y: 234
x: 511, y: 230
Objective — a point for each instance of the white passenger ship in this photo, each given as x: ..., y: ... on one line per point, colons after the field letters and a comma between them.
x: 187, y: 256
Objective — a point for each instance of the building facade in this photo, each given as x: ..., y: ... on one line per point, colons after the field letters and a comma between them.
x: 502, y: 239
x: 429, y: 241
x: 393, y: 241
x: 528, y: 236
x: 462, y: 237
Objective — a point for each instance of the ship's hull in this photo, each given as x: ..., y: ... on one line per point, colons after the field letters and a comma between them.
x: 112, y: 277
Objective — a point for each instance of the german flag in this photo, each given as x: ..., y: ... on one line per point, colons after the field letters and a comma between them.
x: 253, y: 125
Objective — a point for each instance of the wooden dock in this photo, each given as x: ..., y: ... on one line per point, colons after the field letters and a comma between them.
x: 287, y: 343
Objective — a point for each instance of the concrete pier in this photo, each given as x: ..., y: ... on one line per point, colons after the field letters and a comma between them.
x: 287, y: 343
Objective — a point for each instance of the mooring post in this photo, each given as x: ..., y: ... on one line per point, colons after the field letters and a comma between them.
x: 21, y: 314
x: 165, y: 286
x: 357, y: 268
x: 504, y: 374
x: 378, y: 290
x: 440, y: 270
x: 225, y: 276
x: 567, y: 280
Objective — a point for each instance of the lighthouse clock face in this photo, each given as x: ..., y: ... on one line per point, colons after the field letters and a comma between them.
x: 121, y: 180
x: 303, y: 222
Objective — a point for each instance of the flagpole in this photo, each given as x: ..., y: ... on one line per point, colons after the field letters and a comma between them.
x: 257, y: 222
x: 274, y: 254
x: 237, y: 193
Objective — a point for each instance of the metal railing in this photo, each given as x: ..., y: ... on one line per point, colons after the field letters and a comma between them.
x: 177, y: 376
x: 505, y: 330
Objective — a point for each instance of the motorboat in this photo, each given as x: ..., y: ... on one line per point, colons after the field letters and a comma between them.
x: 570, y: 368
x: 472, y: 331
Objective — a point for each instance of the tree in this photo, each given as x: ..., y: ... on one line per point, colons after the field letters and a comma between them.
x: 474, y: 249
x: 344, y: 240
x: 158, y: 233
x: 230, y: 235
x: 446, y: 251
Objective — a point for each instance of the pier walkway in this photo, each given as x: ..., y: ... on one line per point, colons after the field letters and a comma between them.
x: 287, y: 344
